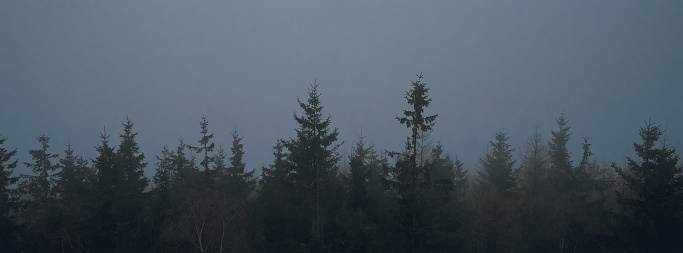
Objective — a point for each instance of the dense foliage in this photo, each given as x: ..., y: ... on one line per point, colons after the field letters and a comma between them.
x: 311, y: 198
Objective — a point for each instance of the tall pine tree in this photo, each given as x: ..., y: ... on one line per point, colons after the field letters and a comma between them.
x: 497, y: 166
x: 313, y: 157
x: 8, y: 227
x: 655, y: 193
x: 407, y: 177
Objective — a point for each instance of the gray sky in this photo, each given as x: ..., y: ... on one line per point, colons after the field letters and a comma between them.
x: 69, y: 68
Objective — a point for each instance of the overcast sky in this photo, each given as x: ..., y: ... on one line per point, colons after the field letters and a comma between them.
x: 70, y: 68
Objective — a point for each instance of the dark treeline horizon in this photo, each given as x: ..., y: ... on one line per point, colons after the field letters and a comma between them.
x: 534, y: 197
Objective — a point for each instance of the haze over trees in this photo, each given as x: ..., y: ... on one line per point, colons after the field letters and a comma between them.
x: 312, y: 198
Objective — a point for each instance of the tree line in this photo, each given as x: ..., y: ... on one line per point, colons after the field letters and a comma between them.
x: 202, y: 198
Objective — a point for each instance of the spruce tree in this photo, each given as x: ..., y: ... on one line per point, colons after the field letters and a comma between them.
x: 205, y: 147
x: 449, y: 179
x: 241, y: 180
x: 74, y: 187
x: 182, y: 167
x: 131, y: 161
x: 130, y: 207
x: 40, y: 219
x: 408, y: 178
x: 497, y: 169
x: 39, y: 186
x: 277, y: 206
x: 655, y: 193
x: 313, y: 156
x: 109, y: 180
x: 75, y: 176
x: 364, y: 202
x: 561, y: 168
x: 8, y: 227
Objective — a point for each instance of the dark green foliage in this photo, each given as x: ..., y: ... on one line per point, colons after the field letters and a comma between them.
x: 309, y: 200
x: 654, y: 194
x: 74, y: 186
x: 408, y: 178
x: 108, y: 180
x: 275, y: 220
x: 313, y: 158
x: 365, y: 202
x: 40, y: 220
x: 495, y: 197
x: 205, y: 145
x: 39, y: 186
x: 497, y: 166
x: 559, y: 156
x: 240, y: 182
x: 8, y: 227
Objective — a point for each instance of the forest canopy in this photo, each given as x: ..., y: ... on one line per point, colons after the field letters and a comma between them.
x: 203, y: 196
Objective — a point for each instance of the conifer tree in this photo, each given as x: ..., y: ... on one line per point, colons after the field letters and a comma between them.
x: 364, y: 204
x: 109, y: 180
x: 74, y: 188
x: 534, y: 165
x: 131, y: 161
x: 497, y: 169
x: 495, y: 202
x: 40, y: 185
x: 130, y: 207
x: 205, y: 145
x: 561, y: 168
x: 75, y: 176
x: 8, y: 227
x: 241, y: 180
x: 409, y: 177
x: 448, y: 176
x: 182, y: 167
x: 276, y: 211
x: 164, y: 170
x: 219, y: 162
x: 535, y: 204
x: 655, y: 193
x: 360, y: 175
x: 313, y: 157
x: 38, y: 209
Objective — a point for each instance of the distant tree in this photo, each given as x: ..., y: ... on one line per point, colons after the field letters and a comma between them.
x: 75, y: 175
x: 131, y: 161
x: 161, y: 200
x: 276, y: 211
x: 182, y: 167
x: 534, y: 166
x: 495, y: 199
x: 205, y: 145
x: 535, y: 205
x: 220, y: 160
x: 107, y: 184
x: 655, y: 193
x: 559, y: 156
x: 497, y: 166
x: 74, y: 187
x: 448, y: 176
x: 359, y: 175
x: 365, y: 203
x: 131, y: 205
x: 38, y: 214
x: 313, y: 157
x: 233, y: 203
x: 407, y: 177
x: 39, y: 186
x: 237, y: 177
x: 164, y: 170
x: 8, y: 226
x: 446, y: 212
